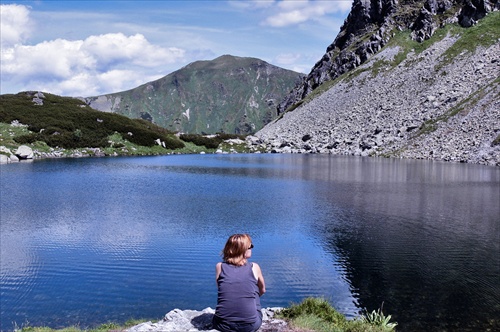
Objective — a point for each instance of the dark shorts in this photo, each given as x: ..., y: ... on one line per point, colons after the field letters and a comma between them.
x: 226, y: 326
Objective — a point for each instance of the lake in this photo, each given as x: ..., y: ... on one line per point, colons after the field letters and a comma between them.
x: 87, y: 241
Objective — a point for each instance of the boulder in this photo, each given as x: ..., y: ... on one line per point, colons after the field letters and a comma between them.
x: 192, y: 320
x: 4, y: 159
x: 13, y: 158
x: 24, y: 152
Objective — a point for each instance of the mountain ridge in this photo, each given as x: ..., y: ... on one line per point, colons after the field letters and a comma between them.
x: 228, y: 94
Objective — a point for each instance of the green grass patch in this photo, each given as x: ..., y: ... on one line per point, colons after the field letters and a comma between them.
x: 106, y: 327
x: 484, y: 34
x: 316, y: 314
x: 462, y: 107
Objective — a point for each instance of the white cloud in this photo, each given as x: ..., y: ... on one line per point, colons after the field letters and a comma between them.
x: 116, y: 47
x: 258, y: 4
x: 292, y: 12
x: 98, y: 64
x: 287, y: 59
x: 298, y: 62
x: 58, y: 58
x: 14, y: 24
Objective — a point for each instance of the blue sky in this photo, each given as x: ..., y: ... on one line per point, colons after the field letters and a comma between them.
x: 88, y: 48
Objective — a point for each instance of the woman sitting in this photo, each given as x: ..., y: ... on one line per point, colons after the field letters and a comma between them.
x: 240, y: 285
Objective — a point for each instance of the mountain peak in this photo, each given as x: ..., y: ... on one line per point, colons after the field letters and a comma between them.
x: 227, y: 94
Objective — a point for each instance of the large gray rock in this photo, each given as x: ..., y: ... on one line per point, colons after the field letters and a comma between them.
x: 24, y: 152
x: 192, y: 320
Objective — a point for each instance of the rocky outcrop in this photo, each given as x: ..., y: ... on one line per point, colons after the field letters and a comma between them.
x: 192, y: 320
x: 371, y: 24
x: 24, y: 152
x: 428, y: 106
x: 38, y: 98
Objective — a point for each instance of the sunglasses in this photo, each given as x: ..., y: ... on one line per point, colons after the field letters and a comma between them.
x: 251, y: 246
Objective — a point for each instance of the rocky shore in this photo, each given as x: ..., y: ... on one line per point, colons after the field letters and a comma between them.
x: 423, y: 108
x: 24, y: 152
x: 191, y: 320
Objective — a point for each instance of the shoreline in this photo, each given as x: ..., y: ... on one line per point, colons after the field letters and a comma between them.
x: 7, y: 156
x: 178, y: 320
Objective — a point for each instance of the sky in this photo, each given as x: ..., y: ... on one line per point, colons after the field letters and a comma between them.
x: 89, y: 48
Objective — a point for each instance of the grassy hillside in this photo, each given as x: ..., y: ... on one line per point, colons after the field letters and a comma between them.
x: 229, y: 94
x: 70, y: 123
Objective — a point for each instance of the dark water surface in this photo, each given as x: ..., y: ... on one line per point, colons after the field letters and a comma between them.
x: 87, y: 241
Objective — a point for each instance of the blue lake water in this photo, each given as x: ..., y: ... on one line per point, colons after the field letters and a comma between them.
x: 87, y: 241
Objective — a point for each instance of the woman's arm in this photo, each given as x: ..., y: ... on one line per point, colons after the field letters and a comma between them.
x: 257, y: 272
x: 218, y: 269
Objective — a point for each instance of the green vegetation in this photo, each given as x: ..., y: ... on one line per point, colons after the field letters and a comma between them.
x: 210, y: 142
x: 69, y: 123
x: 316, y: 314
x: 101, y: 328
x: 462, y: 107
x: 483, y: 34
x: 67, y: 127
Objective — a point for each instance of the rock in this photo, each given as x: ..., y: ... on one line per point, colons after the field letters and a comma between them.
x: 24, y: 152
x: 191, y: 320
x: 4, y: 159
x: 13, y: 158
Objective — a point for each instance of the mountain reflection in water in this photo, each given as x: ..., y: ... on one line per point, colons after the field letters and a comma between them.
x: 85, y: 241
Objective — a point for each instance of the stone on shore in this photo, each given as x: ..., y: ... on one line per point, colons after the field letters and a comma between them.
x: 24, y: 152
x: 191, y: 320
x: 4, y: 159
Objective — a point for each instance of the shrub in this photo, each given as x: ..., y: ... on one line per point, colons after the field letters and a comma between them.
x: 316, y: 307
x: 377, y: 318
x: 317, y: 314
x: 224, y: 136
x: 208, y: 142
x: 69, y: 123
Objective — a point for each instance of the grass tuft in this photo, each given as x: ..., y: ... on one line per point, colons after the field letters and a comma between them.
x: 316, y: 314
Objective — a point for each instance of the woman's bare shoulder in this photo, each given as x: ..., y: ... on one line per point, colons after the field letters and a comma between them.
x: 255, y: 266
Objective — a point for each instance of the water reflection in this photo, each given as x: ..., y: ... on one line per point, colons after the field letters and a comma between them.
x: 420, y: 238
x: 90, y: 240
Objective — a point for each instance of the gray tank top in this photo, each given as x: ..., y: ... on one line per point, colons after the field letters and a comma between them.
x: 238, y: 296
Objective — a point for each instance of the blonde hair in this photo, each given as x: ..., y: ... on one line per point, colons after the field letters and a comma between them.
x: 235, y: 249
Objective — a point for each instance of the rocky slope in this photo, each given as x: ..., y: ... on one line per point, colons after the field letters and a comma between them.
x: 420, y: 87
x: 371, y: 25
x: 229, y: 94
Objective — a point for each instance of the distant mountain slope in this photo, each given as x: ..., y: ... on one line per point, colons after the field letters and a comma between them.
x: 228, y: 94
x: 426, y: 90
